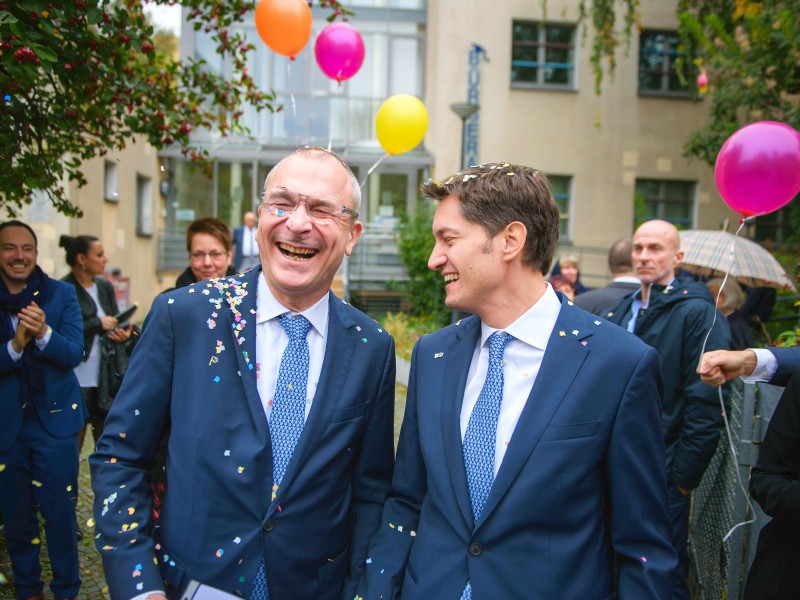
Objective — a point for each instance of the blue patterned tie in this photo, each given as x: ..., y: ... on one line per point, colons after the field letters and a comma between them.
x: 288, y: 414
x: 481, y: 435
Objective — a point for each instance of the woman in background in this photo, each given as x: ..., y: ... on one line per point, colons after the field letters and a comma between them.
x: 86, y: 256
x: 729, y: 301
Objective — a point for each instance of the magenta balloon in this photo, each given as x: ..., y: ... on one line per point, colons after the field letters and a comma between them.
x: 339, y: 50
x: 758, y: 168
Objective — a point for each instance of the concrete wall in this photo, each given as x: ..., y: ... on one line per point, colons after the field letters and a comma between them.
x: 604, y: 142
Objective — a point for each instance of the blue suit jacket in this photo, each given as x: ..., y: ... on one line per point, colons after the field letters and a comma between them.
x: 582, y: 479
x: 788, y: 361
x: 61, y: 411
x: 238, y: 233
x: 196, y: 361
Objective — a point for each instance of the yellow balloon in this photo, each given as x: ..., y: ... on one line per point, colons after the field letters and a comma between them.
x: 401, y: 123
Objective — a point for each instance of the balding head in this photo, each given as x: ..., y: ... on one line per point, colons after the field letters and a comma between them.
x: 656, y: 252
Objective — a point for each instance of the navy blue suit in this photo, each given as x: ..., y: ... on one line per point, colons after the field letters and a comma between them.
x: 40, y: 446
x: 238, y: 245
x: 196, y: 362
x: 582, y: 481
x: 788, y: 361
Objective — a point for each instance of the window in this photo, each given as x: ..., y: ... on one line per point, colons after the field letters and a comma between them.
x: 110, y: 182
x: 658, y: 51
x: 775, y: 227
x: 144, y: 206
x: 542, y: 55
x: 671, y: 201
x: 561, y: 186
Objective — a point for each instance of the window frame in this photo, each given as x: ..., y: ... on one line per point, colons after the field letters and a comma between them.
x: 541, y: 63
x: 663, y: 200
x: 667, y: 68
x: 144, y: 206
x: 565, y: 218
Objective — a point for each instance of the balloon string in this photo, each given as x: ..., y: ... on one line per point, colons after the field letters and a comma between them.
x: 294, y: 105
x: 728, y: 434
x: 372, y: 168
x: 330, y: 127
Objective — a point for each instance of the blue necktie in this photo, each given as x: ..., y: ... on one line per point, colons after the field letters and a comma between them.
x: 288, y: 414
x: 481, y: 435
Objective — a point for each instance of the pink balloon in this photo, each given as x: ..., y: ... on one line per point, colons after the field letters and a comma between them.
x: 758, y: 168
x: 339, y: 50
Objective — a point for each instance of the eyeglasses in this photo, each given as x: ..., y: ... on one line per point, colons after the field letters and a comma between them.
x: 281, y: 203
x: 214, y: 255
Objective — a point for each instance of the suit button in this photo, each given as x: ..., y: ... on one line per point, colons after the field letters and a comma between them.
x: 475, y: 549
x: 268, y: 526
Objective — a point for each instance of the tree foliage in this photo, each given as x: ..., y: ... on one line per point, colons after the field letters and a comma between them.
x: 82, y: 77
x: 423, y: 289
x: 750, y: 51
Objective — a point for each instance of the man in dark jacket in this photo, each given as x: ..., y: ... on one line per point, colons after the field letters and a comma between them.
x: 674, y: 317
x: 623, y: 284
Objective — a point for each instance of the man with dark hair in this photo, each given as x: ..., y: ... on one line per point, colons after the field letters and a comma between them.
x: 41, y: 334
x: 530, y: 462
x: 675, y: 317
x: 281, y: 399
x: 623, y: 284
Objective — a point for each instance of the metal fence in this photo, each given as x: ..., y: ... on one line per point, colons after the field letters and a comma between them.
x: 719, y: 568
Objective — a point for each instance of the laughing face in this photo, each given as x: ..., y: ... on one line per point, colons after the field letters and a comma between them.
x: 17, y: 257
x: 468, y: 261
x: 300, y: 258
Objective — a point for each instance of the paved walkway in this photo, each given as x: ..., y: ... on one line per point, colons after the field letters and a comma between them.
x: 93, y: 582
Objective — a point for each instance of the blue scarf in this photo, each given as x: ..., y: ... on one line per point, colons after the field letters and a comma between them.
x: 32, y: 390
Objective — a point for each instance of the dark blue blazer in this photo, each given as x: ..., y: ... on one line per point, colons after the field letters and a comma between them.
x: 196, y: 362
x: 788, y: 361
x: 61, y: 410
x: 238, y: 234
x: 582, y: 481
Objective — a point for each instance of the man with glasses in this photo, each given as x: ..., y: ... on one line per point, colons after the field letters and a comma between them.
x: 281, y: 399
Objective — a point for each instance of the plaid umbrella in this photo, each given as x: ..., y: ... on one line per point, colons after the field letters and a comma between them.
x: 714, y: 253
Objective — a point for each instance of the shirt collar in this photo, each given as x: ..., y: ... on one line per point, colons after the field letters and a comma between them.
x: 535, y: 325
x: 267, y: 307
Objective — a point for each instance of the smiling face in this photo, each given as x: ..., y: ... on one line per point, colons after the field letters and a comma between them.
x: 466, y: 258
x: 17, y: 257
x: 208, y: 257
x: 95, y: 259
x: 656, y: 252
x: 300, y: 258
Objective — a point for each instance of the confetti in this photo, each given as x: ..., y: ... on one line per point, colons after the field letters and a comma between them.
x: 562, y: 333
x: 237, y: 540
x: 227, y: 453
x: 69, y: 488
x: 171, y: 300
x: 2, y: 468
x: 90, y: 523
x: 584, y: 343
x: 216, y: 379
x: 438, y: 355
x: 140, y: 586
x: 74, y: 406
x: 597, y: 322
x: 240, y: 469
x: 136, y: 412
x: 37, y: 483
x: 574, y: 332
x: 131, y: 510
x: 36, y: 541
x: 220, y: 552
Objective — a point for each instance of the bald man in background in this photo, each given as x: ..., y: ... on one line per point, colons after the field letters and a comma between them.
x: 674, y: 316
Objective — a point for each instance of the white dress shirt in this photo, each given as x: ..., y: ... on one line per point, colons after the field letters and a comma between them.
x: 766, y: 365
x: 521, y: 362
x: 271, y: 341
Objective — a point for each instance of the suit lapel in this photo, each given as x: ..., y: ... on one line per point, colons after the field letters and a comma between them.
x: 339, y: 348
x: 240, y: 307
x: 564, y: 355
x: 459, y: 358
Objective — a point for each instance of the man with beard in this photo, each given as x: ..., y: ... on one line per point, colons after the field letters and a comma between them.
x: 41, y: 334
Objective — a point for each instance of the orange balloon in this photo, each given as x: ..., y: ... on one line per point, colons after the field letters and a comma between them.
x: 284, y: 25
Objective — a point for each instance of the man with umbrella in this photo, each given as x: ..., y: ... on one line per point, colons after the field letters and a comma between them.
x: 674, y: 316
